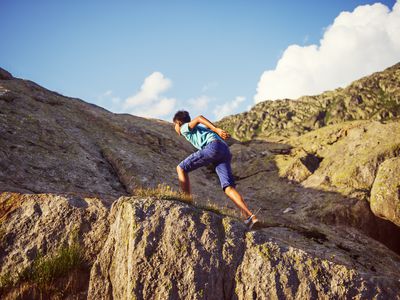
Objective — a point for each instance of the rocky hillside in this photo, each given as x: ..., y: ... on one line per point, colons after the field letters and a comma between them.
x: 75, y: 223
x: 51, y: 143
x: 375, y: 97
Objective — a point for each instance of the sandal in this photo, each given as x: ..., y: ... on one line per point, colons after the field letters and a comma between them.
x: 249, y: 222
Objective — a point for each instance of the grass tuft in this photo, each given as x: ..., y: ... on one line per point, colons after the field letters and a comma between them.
x: 211, y: 206
x: 163, y: 191
x: 45, y: 269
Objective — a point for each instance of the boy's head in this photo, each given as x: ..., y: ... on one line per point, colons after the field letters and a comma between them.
x: 181, y: 117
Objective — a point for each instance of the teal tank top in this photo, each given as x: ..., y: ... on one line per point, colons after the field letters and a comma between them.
x: 199, y: 136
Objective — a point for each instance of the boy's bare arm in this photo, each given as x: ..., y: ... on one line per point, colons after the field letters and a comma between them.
x: 200, y: 119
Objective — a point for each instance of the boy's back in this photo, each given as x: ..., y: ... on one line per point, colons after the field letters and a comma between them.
x: 199, y: 136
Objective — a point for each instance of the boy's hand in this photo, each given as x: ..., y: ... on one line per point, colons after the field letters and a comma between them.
x: 222, y: 133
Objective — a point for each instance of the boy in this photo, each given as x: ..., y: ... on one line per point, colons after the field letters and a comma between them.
x: 212, y: 149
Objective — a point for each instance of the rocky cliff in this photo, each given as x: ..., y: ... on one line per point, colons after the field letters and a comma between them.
x: 76, y: 223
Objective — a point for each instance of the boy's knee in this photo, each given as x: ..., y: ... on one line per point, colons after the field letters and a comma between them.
x: 228, y: 188
x: 225, y: 188
x: 179, y: 169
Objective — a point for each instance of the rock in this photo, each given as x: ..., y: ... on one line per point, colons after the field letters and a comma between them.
x: 164, y: 249
x: 297, y: 166
x: 4, y: 75
x: 351, y: 153
x: 296, y: 171
x: 39, y: 224
x: 288, y: 210
x: 385, y: 193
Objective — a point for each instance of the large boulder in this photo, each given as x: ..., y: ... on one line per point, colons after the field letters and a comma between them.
x: 385, y: 193
x: 349, y: 156
x: 165, y: 249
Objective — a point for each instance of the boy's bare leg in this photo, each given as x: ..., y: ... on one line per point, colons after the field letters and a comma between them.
x: 184, y: 182
x: 233, y: 194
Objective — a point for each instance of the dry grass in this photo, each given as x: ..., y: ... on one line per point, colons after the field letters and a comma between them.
x: 163, y: 191
x: 213, y: 207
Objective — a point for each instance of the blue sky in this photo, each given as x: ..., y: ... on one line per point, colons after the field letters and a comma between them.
x: 204, y: 56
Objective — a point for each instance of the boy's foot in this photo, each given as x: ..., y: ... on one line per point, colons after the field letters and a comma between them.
x: 250, y: 221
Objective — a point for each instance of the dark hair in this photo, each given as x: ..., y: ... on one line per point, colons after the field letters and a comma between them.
x: 182, y: 116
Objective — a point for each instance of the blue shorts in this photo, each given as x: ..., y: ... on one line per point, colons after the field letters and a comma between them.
x: 216, y: 152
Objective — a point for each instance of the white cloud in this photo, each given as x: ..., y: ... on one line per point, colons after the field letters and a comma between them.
x: 358, y: 43
x: 199, y: 103
x: 148, y: 101
x: 152, y: 87
x: 161, y: 107
x: 228, y: 108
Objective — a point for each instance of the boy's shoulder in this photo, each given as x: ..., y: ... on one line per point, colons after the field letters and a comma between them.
x: 185, y: 128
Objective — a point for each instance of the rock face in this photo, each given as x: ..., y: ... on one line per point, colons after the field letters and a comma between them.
x: 160, y: 249
x: 33, y: 224
x: 41, y: 222
x: 349, y: 153
x: 345, y: 158
x: 375, y: 97
x: 385, y: 193
x: 51, y: 143
x: 267, y: 173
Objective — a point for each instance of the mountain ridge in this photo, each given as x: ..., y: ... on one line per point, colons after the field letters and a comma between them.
x: 375, y: 97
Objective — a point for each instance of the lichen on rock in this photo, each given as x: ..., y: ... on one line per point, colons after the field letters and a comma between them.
x: 385, y: 193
